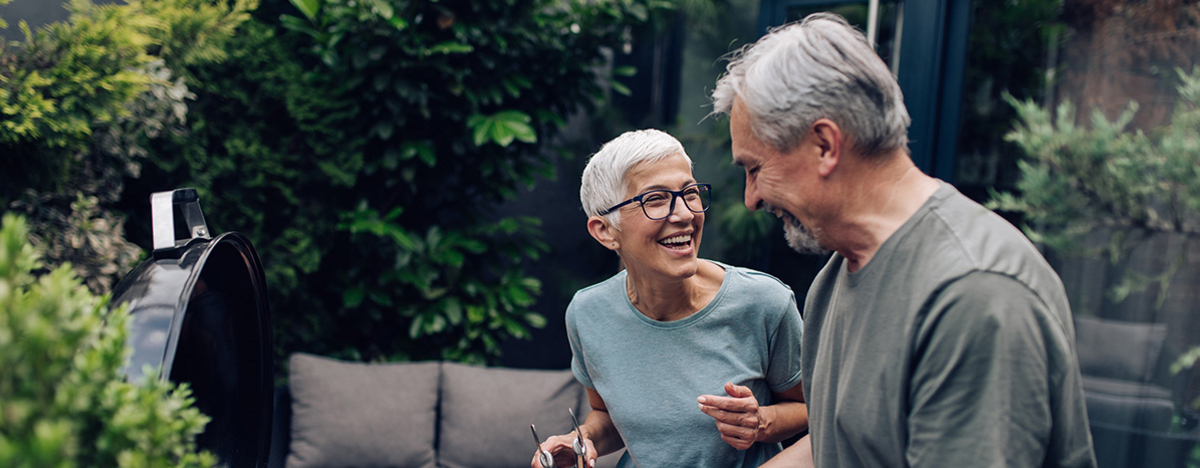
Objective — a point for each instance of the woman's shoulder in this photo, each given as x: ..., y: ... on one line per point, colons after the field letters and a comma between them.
x: 601, y: 291
x: 753, y: 285
x: 753, y: 278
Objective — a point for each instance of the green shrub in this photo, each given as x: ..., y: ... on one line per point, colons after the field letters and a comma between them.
x: 1079, y: 179
x: 364, y: 146
x: 79, y: 100
x: 65, y: 401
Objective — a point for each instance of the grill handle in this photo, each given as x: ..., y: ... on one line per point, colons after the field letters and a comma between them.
x: 162, y: 218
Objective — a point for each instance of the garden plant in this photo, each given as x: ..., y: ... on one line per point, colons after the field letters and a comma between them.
x: 66, y: 400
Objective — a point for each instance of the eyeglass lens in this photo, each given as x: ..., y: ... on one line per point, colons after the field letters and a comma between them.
x: 658, y: 204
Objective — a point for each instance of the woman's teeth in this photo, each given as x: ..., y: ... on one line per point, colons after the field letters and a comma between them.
x: 677, y: 241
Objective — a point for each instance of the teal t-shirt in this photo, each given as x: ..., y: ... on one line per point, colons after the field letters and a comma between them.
x: 649, y: 373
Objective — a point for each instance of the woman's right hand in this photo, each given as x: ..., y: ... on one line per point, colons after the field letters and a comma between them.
x: 560, y: 450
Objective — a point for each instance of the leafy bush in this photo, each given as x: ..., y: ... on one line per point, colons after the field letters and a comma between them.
x: 78, y: 99
x: 66, y: 402
x: 364, y: 145
x: 1082, y: 178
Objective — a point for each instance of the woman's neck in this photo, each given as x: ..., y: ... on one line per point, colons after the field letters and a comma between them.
x: 669, y: 299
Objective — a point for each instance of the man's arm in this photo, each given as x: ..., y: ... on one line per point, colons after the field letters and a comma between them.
x: 981, y: 389
x: 799, y: 455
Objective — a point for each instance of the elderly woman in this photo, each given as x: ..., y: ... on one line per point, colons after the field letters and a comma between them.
x: 687, y: 362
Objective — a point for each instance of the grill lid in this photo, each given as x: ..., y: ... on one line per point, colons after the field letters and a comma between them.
x: 199, y: 315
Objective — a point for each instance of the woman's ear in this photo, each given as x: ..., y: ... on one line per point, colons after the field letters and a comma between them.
x: 603, y: 232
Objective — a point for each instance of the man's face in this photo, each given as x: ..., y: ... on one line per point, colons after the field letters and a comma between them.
x: 775, y: 182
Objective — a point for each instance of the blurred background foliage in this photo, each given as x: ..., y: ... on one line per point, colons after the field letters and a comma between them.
x: 363, y: 145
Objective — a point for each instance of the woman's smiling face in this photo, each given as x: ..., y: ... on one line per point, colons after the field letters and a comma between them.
x: 666, y: 246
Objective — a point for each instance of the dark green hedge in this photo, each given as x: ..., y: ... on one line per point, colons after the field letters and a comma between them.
x: 363, y: 146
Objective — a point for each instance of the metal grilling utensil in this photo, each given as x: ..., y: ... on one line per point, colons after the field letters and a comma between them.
x: 543, y: 456
x: 577, y: 445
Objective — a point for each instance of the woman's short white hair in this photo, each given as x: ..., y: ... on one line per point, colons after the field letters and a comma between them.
x: 818, y: 68
x: 604, y: 177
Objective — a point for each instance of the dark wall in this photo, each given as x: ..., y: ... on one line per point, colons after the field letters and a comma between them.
x: 34, y: 12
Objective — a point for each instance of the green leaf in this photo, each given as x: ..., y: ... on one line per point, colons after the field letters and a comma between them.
x: 310, y: 8
x: 502, y: 128
x: 353, y: 297
x: 516, y: 329
x: 380, y: 298
x: 449, y: 47
x: 452, y: 309
x: 501, y: 134
x: 476, y: 314
x: 620, y: 88
x: 414, y: 328
x: 627, y: 70
x: 521, y: 129
x: 383, y: 8
x: 383, y: 129
x: 425, y: 151
x: 298, y: 24
x: 411, y: 149
x: 535, y: 320
x: 474, y: 246
x: 436, y: 324
x: 481, y: 127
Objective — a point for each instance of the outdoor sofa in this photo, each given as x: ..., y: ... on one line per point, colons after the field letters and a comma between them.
x: 419, y: 415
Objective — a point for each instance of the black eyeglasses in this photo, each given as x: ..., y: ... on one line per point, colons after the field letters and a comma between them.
x: 658, y: 204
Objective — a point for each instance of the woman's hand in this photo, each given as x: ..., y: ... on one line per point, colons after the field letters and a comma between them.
x: 560, y: 450
x: 737, y: 416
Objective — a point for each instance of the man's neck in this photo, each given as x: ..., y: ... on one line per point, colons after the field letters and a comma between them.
x: 880, y: 197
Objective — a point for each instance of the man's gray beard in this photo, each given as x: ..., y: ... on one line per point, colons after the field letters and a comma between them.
x: 799, y: 238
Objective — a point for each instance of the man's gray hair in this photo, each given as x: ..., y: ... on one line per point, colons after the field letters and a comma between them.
x: 818, y: 68
x: 604, y: 177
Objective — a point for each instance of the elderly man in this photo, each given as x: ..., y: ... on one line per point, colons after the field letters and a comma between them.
x: 936, y: 335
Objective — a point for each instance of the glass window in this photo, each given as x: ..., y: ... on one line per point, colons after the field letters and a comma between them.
x: 1080, y: 111
x: 887, y: 29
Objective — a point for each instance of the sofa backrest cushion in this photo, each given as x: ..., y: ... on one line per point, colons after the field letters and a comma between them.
x: 1119, y: 350
x: 486, y: 413
x: 350, y: 414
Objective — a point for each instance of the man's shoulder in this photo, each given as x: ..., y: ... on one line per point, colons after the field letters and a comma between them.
x: 978, y: 239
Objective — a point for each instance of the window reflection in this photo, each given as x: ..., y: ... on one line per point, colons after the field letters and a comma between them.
x: 1127, y: 253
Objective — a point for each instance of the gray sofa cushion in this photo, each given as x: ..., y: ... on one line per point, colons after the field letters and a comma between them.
x: 486, y: 413
x: 1119, y: 350
x: 347, y: 414
x: 1130, y: 412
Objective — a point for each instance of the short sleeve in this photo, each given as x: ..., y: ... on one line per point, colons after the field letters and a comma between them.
x: 784, y: 349
x: 980, y: 380
x: 578, y: 362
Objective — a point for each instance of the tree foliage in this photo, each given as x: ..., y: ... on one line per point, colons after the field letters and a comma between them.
x: 364, y: 146
x: 1081, y: 178
x: 79, y: 99
x: 66, y: 402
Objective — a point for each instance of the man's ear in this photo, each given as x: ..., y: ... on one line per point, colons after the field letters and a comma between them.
x: 603, y: 232
x: 828, y: 138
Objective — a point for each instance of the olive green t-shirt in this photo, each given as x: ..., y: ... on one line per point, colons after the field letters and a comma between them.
x: 952, y: 347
